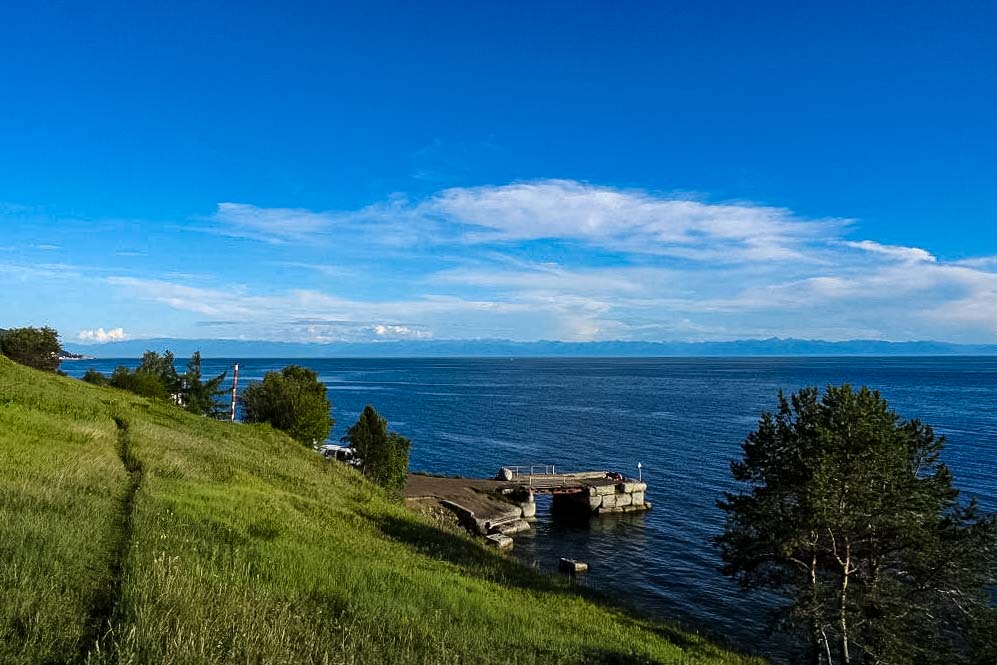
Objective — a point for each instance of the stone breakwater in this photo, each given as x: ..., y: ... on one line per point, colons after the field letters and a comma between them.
x: 601, y: 498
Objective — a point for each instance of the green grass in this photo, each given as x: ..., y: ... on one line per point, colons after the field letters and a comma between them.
x: 132, y: 532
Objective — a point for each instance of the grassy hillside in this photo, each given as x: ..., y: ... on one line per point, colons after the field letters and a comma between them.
x: 134, y: 532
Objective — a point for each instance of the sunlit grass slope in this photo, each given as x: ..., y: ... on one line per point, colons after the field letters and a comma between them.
x: 134, y: 532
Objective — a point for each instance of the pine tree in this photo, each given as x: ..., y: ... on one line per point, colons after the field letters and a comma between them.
x: 201, y: 396
x: 383, y: 454
x: 850, y: 513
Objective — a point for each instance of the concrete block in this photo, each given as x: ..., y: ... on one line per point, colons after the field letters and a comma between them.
x: 638, y: 498
x: 610, y: 500
x: 528, y: 509
x: 510, y: 528
x: 499, y: 541
x: 572, y: 566
x: 624, y: 499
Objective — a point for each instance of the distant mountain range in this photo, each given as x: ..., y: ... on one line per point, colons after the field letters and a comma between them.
x: 229, y: 348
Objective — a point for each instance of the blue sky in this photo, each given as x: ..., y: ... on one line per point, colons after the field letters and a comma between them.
x: 576, y: 171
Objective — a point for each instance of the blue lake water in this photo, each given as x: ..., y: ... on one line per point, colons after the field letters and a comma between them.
x: 683, y: 419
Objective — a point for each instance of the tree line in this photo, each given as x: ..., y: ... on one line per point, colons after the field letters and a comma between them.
x: 156, y: 377
x: 292, y: 400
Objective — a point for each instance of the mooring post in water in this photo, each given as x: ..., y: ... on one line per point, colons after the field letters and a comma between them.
x: 235, y: 388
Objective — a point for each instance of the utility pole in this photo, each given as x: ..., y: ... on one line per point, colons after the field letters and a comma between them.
x: 235, y: 388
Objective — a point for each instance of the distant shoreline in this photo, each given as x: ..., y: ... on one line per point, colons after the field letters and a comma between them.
x: 766, y: 348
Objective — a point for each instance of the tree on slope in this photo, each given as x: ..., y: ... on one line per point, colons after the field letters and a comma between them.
x: 34, y: 347
x: 383, y: 454
x: 156, y: 377
x: 850, y: 513
x: 146, y: 384
x: 162, y: 367
x: 292, y: 400
x: 200, y: 396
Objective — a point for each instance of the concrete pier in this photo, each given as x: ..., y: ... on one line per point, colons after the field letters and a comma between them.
x: 506, y: 505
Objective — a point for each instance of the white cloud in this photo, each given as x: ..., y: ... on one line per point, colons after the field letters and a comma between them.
x: 270, y: 224
x: 395, y: 221
x: 215, y: 303
x: 913, y: 254
x: 621, y: 220
x: 309, y: 315
x: 41, y: 271
x: 400, y: 332
x: 560, y: 259
x: 556, y: 279
x: 101, y: 336
x: 630, y: 220
x: 982, y: 262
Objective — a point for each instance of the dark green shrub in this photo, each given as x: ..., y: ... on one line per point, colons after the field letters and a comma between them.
x: 34, y: 347
x: 292, y: 400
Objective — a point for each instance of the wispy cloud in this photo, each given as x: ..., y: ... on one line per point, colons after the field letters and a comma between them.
x: 630, y: 220
x: 395, y: 223
x: 550, y: 259
x: 315, y: 316
x: 981, y: 262
x: 270, y: 224
x: 680, y: 266
x: 622, y: 220
x: 913, y: 254
x: 40, y: 271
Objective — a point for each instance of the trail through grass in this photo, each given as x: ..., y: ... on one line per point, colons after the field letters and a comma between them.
x: 106, y: 600
x: 170, y: 538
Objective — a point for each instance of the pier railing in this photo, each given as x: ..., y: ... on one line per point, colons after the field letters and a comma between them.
x: 532, y: 470
x: 546, y: 476
x: 539, y: 476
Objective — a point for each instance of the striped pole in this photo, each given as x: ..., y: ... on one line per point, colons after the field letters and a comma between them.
x: 235, y: 388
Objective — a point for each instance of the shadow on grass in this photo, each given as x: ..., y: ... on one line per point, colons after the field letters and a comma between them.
x: 469, y: 555
x: 697, y: 645
x: 477, y: 561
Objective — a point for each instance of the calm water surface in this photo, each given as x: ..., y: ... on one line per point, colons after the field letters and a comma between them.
x: 683, y: 419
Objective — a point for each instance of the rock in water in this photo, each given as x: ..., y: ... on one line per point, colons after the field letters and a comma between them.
x: 572, y: 566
